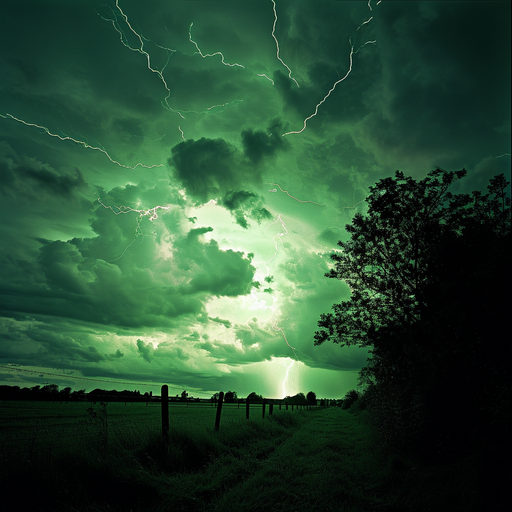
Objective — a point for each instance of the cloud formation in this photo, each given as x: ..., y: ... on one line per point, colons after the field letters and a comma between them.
x: 167, y: 230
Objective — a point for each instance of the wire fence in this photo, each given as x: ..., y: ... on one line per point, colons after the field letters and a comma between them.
x: 28, y: 427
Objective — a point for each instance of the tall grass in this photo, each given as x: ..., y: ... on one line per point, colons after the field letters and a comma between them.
x: 329, y: 460
x: 136, y: 470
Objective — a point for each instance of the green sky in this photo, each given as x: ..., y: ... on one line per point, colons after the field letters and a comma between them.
x: 166, y: 227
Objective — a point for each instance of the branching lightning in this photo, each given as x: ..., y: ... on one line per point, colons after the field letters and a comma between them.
x: 150, y: 212
x: 351, y: 55
x: 79, y: 142
x: 142, y: 51
x: 277, y: 45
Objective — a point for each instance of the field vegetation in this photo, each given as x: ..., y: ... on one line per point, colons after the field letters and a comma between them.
x: 57, y: 457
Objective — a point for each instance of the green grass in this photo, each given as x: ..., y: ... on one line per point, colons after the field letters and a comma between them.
x: 326, y: 459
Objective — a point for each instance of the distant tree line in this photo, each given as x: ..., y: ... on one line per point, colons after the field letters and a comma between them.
x: 298, y: 399
x: 52, y: 392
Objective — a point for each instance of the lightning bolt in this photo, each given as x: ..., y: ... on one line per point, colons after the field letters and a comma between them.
x: 365, y: 22
x: 277, y: 45
x: 326, y: 96
x: 286, y: 378
x: 79, y: 142
x: 142, y: 51
x: 210, y: 54
x: 352, y: 53
x: 265, y: 76
x: 150, y: 212
x: 276, y: 328
x: 293, y: 197
x: 275, y: 238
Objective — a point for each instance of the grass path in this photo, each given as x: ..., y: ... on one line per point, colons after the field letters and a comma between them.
x: 327, y: 464
x: 333, y: 463
x: 323, y: 460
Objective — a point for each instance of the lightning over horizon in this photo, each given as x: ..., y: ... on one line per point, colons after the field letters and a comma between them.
x: 175, y: 175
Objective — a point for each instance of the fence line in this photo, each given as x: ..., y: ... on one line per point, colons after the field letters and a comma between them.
x: 124, y: 427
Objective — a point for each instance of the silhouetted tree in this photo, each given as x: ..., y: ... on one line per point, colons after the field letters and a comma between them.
x: 311, y: 397
x: 65, y: 393
x: 50, y: 392
x: 254, y: 397
x: 427, y: 270
x: 78, y: 395
x: 349, y: 399
x: 230, y: 396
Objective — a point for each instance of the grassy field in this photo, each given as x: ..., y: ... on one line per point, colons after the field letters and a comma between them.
x: 326, y: 459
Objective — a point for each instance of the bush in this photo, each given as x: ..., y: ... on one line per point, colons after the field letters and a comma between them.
x: 349, y: 399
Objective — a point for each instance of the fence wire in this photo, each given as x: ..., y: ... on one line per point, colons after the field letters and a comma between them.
x: 37, y: 426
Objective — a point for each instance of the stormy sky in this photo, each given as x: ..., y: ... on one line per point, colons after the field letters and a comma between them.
x: 175, y: 174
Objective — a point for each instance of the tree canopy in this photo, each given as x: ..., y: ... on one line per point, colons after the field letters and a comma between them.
x: 396, y: 252
x: 429, y: 274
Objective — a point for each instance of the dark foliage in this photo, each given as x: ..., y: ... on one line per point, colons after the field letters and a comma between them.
x: 430, y: 277
x: 230, y: 396
x: 254, y: 397
x: 349, y: 399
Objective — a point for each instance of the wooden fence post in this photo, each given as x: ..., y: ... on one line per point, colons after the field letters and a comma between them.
x: 263, y: 410
x: 219, y: 410
x: 164, y: 395
x: 286, y: 405
x: 270, y: 409
x: 292, y: 407
x: 247, y: 409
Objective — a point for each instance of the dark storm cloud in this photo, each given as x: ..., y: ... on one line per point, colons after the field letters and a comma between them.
x: 145, y: 350
x: 26, y: 176
x: 220, y: 273
x: 207, y: 167
x: 445, y: 73
x: 225, y: 323
x: 258, y: 144
x: 243, y: 204
x: 214, y: 169
x: 329, y: 236
x: 72, y: 279
x: 48, y: 344
x: 81, y: 281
